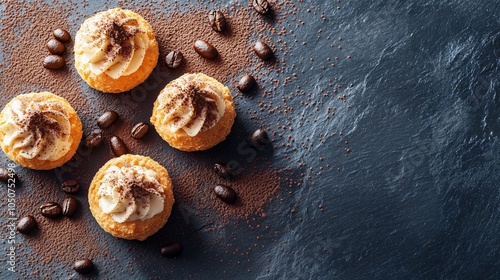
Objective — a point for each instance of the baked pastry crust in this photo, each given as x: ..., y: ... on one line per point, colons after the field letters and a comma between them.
x: 105, y: 83
x: 204, y: 139
x: 74, y: 137
x: 138, y: 230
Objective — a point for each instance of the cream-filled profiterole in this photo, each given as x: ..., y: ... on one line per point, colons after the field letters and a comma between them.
x: 115, y: 50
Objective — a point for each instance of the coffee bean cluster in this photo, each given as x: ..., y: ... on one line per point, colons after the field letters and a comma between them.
x: 117, y: 145
x: 53, y: 210
x: 173, y: 60
x: 259, y: 139
x: 217, y: 20
x: 56, y: 47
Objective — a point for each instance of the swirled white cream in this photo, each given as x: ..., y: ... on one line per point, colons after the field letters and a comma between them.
x: 37, y: 129
x: 191, y: 104
x: 130, y: 193
x: 112, y: 43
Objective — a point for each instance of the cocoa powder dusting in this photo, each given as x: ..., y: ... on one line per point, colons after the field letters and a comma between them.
x: 27, y: 33
x: 37, y: 121
x: 120, y: 35
x: 179, y: 31
x: 57, y: 243
x: 254, y: 186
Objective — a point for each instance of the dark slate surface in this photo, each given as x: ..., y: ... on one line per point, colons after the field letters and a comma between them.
x: 418, y: 195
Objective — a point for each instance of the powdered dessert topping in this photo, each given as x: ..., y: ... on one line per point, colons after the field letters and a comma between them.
x: 37, y: 128
x: 191, y: 104
x: 130, y: 193
x: 112, y: 43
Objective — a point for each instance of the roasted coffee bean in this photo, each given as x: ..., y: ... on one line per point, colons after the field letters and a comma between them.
x: 225, y: 193
x: 107, y: 119
x: 62, y: 35
x: 246, y: 83
x: 261, y: 6
x: 222, y: 170
x: 55, y: 47
x: 83, y: 266
x: 139, y: 130
x: 4, y: 175
x: 205, y: 49
x: 70, y: 186
x: 174, y: 59
x: 26, y: 224
x: 217, y: 20
x: 94, y: 139
x: 171, y: 249
x: 263, y: 51
x: 51, y: 210
x: 118, y: 146
x: 259, y: 138
x: 69, y: 206
x: 54, y: 62
x: 7, y: 176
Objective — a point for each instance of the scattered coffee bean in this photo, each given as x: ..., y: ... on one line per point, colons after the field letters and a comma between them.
x: 62, y: 35
x: 222, y: 170
x: 94, y: 139
x: 172, y: 249
x: 263, y: 51
x: 107, y: 119
x: 26, y: 224
x: 51, y: 210
x: 69, y: 206
x: 174, y: 59
x: 54, y: 62
x: 225, y: 193
x: 6, y: 175
x: 139, y: 130
x: 55, y: 47
x: 217, y: 20
x: 117, y: 146
x: 205, y: 49
x: 246, y: 83
x: 83, y: 266
x: 261, y: 6
x: 259, y: 139
x: 70, y: 186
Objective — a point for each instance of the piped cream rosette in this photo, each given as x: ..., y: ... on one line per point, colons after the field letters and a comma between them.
x: 131, y: 197
x: 115, y: 50
x: 194, y: 112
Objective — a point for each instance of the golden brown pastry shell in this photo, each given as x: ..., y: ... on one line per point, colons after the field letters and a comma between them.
x: 139, y: 230
x: 75, y: 134
x: 105, y: 83
x: 203, y: 140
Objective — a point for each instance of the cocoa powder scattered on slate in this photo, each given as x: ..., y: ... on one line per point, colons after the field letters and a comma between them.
x: 177, y: 26
x: 24, y: 36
